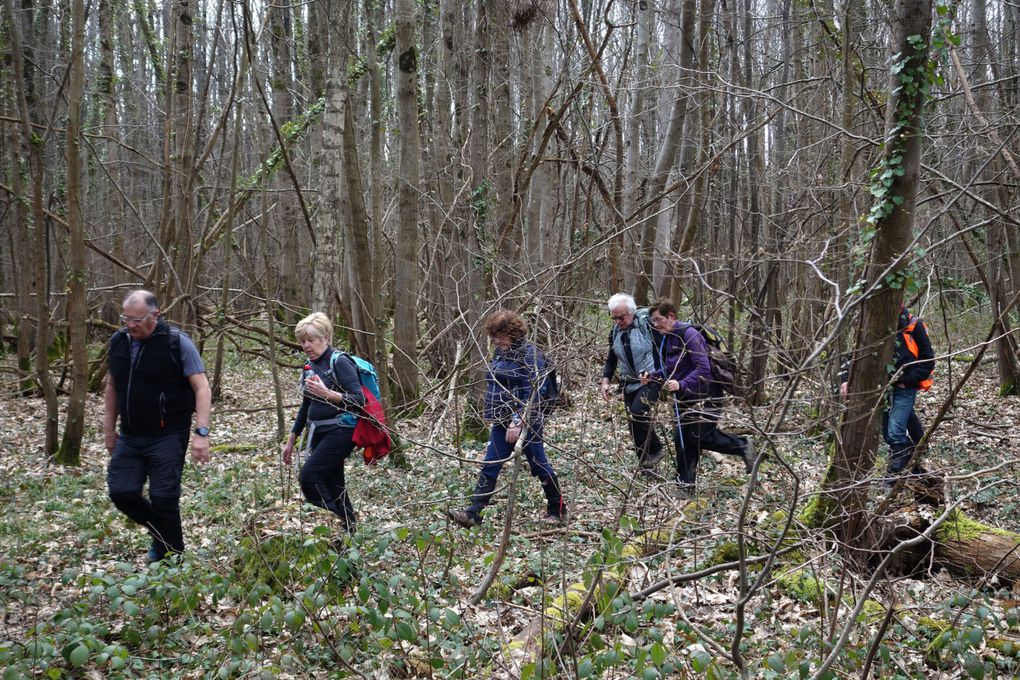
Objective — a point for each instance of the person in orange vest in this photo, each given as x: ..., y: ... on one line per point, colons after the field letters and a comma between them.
x: 914, y: 363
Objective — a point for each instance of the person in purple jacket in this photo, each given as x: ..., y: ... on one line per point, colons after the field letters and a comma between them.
x: 687, y: 374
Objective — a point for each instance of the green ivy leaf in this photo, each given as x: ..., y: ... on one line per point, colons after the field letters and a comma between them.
x: 406, y: 633
x: 78, y: 656
x: 975, y: 635
x: 974, y: 666
x: 700, y: 659
x: 294, y: 618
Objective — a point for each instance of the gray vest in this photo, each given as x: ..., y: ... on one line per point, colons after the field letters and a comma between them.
x: 641, y: 348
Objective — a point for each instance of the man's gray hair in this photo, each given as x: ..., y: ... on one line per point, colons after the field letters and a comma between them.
x: 622, y: 299
x: 143, y: 296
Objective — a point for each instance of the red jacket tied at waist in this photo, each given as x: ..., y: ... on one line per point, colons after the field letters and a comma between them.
x: 370, y: 432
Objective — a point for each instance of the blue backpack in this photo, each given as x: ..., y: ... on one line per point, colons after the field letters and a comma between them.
x: 367, y: 376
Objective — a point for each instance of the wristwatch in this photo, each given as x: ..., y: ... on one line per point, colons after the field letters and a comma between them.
x: 202, y: 431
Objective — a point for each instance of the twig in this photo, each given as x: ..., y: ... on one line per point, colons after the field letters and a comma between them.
x: 504, y: 540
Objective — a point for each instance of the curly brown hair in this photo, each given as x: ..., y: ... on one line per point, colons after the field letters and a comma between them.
x: 505, y: 322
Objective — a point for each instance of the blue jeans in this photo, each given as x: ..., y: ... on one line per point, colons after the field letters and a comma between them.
x: 499, y: 452
x: 901, y: 427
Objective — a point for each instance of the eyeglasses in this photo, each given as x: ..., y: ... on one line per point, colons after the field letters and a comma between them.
x: 134, y: 319
x: 619, y: 317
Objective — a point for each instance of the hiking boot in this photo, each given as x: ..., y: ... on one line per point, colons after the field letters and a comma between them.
x: 464, y: 518
x: 554, y: 505
x: 551, y: 520
x: 153, y: 555
x: 650, y: 461
x: 749, y: 456
x: 683, y: 491
x: 888, y: 483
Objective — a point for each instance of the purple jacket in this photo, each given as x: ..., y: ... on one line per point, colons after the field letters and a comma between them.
x: 685, y: 358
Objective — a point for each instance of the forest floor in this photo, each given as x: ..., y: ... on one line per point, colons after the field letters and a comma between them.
x: 260, y: 593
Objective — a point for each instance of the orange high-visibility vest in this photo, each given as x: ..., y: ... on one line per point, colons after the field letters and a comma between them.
x: 908, y: 339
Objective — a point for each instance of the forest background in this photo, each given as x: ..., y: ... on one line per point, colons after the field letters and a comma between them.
x: 789, y: 171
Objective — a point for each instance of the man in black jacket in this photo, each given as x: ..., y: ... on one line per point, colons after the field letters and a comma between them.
x: 156, y: 380
x: 914, y: 362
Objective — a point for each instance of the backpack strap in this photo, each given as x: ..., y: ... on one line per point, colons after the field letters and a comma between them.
x: 644, y: 325
x: 119, y: 336
x: 332, y: 365
x: 174, y: 344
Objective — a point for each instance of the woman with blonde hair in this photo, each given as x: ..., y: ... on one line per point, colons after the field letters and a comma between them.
x: 332, y: 400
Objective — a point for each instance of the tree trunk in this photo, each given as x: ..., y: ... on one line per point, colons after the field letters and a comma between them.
x: 636, y: 182
x: 698, y: 194
x: 286, y: 223
x: 228, y: 252
x: 369, y: 339
x: 32, y: 150
x: 21, y: 271
x: 407, y: 189
x: 374, y: 16
x: 891, y: 219
x: 182, y: 148
x: 679, y: 121
x: 77, y: 309
x: 507, y: 208
x: 759, y: 341
x: 328, y: 228
x: 998, y: 250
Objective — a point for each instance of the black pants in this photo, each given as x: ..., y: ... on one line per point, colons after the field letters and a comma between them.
x: 322, y: 475
x: 698, y: 430
x: 160, y: 461
x: 639, y: 418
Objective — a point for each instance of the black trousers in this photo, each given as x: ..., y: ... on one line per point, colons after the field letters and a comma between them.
x: 160, y: 461
x: 639, y: 404
x: 697, y: 429
x: 322, y: 475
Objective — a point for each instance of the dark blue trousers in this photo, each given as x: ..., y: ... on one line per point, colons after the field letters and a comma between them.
x: 499, y: 451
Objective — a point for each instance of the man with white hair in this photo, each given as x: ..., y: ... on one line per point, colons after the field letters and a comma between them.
x: 632, y: 351
x: 156, y: 381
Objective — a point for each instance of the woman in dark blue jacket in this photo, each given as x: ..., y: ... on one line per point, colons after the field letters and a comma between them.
x: 512, y: 407
x: 687, y: 374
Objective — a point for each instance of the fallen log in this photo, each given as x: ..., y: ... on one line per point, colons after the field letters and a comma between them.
x: 966, y: 547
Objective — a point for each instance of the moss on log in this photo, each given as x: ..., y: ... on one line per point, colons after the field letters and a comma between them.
x: 969, y: 548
